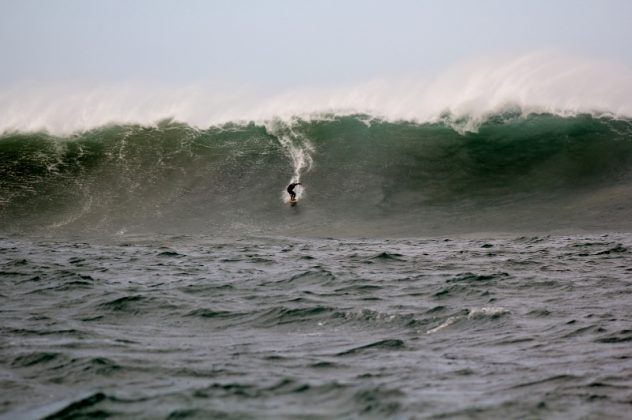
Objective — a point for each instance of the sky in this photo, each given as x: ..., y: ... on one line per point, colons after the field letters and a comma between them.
x: 290, y: 43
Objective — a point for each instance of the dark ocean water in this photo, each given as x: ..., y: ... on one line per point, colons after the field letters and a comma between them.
x: 427, y: 271
x: 280, y: 327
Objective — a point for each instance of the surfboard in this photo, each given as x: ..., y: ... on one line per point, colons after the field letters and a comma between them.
x: 293, y: 202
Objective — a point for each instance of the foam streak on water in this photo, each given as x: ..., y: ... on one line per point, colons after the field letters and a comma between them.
x: 200, y: 326
x: 297, y: 148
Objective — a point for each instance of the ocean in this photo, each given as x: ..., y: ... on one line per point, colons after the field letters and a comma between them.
x: 429, y: 270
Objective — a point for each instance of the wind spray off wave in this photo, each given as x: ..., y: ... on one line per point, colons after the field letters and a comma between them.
x: 465, y: 95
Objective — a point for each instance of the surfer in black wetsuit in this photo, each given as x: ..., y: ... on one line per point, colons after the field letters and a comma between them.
x: 290, y: 190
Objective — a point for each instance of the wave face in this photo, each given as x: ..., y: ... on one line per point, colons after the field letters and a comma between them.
x: 361, y: 176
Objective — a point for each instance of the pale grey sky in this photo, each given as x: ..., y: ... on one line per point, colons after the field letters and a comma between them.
x: 271, y: 43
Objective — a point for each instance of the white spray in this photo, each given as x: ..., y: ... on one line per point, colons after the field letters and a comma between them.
x: 468, y: 93
x: 299, y: 151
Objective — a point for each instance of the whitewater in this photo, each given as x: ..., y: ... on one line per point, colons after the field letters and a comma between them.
x: 538, y: 82
x: 461, y: 247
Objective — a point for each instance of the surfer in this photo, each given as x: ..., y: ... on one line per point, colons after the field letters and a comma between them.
x: 290, y: 190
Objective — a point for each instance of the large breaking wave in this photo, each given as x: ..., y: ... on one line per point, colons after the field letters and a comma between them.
x: 361, y: 176
x: 535, y: 143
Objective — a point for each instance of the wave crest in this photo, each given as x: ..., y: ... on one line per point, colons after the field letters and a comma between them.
x: 464, y: 96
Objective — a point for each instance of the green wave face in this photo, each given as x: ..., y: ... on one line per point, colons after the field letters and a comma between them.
x: 360, y: 176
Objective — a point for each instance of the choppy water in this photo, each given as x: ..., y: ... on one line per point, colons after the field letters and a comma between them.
x: 280, y: 327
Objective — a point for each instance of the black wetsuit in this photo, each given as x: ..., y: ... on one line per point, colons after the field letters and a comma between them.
x: 290, y: 190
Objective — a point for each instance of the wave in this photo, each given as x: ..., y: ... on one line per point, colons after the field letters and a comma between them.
x: 537, y: 142
x: 362, y: 175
